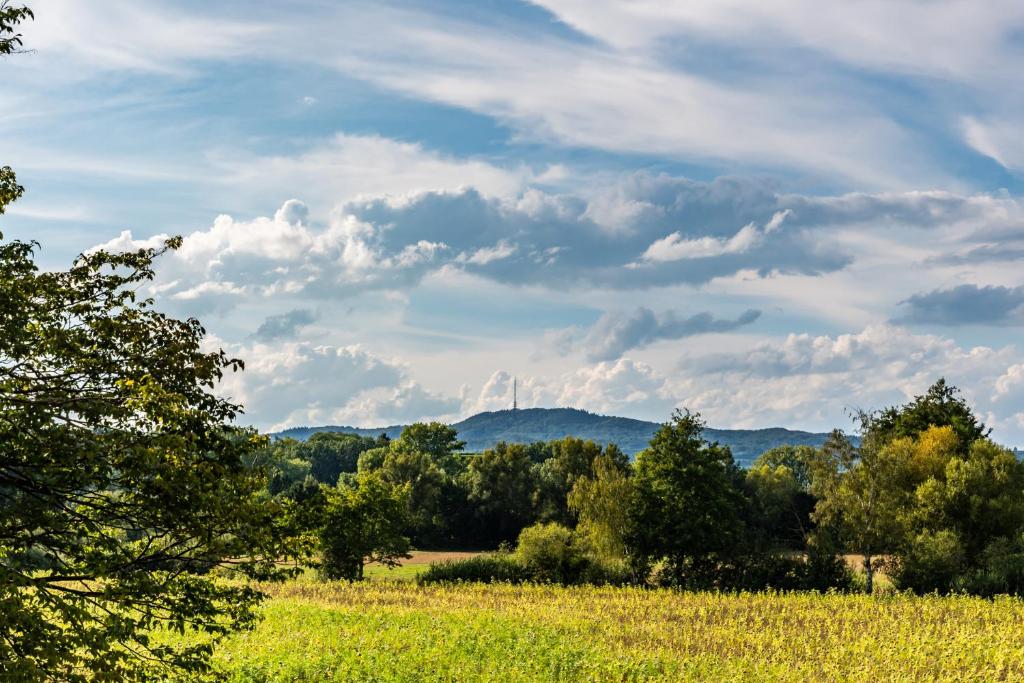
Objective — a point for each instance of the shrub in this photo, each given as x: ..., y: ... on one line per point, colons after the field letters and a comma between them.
x: 757, y: 572
x: 932, y: 562
x: 492, y: 568
x: 1002, y: 570
x: 550, y: 554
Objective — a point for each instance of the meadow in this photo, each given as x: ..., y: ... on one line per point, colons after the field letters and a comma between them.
x: 400, y: 631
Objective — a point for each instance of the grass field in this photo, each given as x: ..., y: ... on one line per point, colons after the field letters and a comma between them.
x: 413, y: 566
x: 398, y: 631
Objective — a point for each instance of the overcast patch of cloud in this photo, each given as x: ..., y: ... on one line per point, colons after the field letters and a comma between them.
x: 966, y: 305
x: 618, y: 332
x: 285, y: 325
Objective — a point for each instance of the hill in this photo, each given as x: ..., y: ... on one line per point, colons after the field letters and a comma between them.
x: 483, y: 430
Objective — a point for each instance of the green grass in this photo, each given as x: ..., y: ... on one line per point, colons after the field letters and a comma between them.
x: 404, y: 572
x: 398, y: 631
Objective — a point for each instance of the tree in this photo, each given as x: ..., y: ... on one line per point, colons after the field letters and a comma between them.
x: 435, y: 439
x: 122, y: 479
x: 687, y: 501
x: 422, y: 457
x: 797, y: 459
x: 601, y: 504
x: 570, y: 459
x: 781, y: 508
x: 330, y: 454
x: 362, y: 524
x: 500, y: 482
x: 868, y: 504
x: 941, y: 406
x: 10, y: 42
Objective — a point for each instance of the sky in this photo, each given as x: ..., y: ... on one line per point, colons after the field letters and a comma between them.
x: 773, y: 213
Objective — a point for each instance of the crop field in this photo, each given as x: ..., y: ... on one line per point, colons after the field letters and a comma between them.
x: 399, y: 631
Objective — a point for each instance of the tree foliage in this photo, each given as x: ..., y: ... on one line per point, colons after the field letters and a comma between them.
x: 687, y: 505
x: 363, y: 523
x: 122, y: 480
x: 10, y: 17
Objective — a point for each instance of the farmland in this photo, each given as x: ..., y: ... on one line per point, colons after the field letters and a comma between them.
x: 399, y: 631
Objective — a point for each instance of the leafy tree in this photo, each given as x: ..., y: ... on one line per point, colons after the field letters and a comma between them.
x: 570, y: 459
x: 122, y: 480
x: 500, y: 483
x: 868, y: 505
x: 797, y: 459
x: 601, y: 504
x: 687, y: 502
x: 435, y: 439
x: 781, y: 508
x: 363, y: 523
x: 423, y: 457
x: 941, y: 406
x: 10, y: 42
x: 330, y: 454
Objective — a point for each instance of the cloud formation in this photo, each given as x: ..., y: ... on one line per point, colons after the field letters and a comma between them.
x: 285, y: 325
x: 617, y: 332
x: 966, y: 305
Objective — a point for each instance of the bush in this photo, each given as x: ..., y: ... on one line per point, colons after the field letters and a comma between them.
x: 547, y: 553
x: 1002, y: 571
x: 497, y: 567
x: 550, y: 554
x: 932, y: 563
x: 757, y: 572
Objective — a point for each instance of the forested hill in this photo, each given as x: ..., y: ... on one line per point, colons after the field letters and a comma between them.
x: 483, y: 430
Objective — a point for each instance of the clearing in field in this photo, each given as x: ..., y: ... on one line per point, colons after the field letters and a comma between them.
x: 398, y: 631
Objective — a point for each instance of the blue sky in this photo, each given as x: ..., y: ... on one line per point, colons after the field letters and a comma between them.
x: 771, y: 213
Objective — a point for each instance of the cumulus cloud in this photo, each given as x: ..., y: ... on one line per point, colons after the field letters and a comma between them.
x: 810, y: 381
x: 966, y: 305
x: 298, y: 383
x: 538, y: 238
x: 285, y: 325
x: 620, y: 387
x: 617, y: 332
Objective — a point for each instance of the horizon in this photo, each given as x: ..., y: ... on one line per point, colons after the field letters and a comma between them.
x: 392, y: 209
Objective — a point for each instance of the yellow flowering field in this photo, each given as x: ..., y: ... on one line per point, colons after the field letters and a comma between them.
x: 398, y: 631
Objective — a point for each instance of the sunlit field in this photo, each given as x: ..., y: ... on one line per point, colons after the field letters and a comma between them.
x: 398, y: 631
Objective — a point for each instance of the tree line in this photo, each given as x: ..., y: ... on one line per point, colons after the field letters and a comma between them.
x: 923, y: 494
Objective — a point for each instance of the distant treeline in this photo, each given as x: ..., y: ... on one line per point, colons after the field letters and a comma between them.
x: 922, y: 493
x: 527, y: 425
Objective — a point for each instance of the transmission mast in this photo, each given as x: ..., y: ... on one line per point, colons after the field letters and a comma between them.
x: 515, y: 402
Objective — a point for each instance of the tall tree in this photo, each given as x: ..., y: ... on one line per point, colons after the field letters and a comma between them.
x: 362, y: 524
x: 687, y: 501
x: 501, y: 483
x: 940, y: 406
x: 601, y: 504
x: 122, y: 480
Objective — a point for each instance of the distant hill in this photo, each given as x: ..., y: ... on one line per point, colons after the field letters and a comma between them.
x: 527, y: 425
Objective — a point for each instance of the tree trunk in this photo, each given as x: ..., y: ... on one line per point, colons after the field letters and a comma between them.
x: 361, y: 570
x: 869, y: 574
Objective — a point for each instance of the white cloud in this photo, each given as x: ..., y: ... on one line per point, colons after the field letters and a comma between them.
x: 347, y: 167
x: 998, y: 140
x: 298, y: 383
x: 947, y: 38
x: 139, y: 36
x: 676, y: 248
x: 810, y: 381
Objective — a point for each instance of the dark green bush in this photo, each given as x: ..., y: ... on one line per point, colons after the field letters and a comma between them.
x: 1002, y: 571
x: 932, y: 562
x: 498, y: 567
x: 757, y: 572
